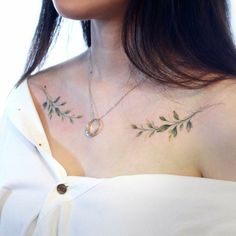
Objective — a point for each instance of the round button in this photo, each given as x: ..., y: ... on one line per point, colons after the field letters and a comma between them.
x: 61, y: 188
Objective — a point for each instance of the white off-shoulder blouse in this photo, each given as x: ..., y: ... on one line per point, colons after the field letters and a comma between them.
x: 38, y: 198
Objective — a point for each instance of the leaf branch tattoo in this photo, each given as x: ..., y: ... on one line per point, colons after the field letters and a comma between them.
x: 173, y: 126
x: 54, y: 106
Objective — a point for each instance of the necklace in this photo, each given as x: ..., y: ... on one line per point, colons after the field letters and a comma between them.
x: 95, y: 125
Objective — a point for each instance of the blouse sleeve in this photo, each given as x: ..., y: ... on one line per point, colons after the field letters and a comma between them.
x: 4, y: 191
x: 3, y: 134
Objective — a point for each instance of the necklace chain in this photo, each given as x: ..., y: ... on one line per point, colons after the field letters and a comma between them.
x: 95, y: 125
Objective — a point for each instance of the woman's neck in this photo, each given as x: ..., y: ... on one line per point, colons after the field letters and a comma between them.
x: 110, y: 63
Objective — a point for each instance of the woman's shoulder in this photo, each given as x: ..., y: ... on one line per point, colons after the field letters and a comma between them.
x: 56, y: 79
x: 218, y: 131
x: 53, y: 76
x: 59, y: 72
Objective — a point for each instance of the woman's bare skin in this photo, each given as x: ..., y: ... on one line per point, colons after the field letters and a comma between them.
x: 198, y: 149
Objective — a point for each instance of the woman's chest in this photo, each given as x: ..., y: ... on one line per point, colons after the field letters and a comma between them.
x: 128, y: 143
x: 146, y: 133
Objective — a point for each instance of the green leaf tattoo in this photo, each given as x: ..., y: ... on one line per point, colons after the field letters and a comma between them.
x: 173, y: 126
x: 53, y: 106
x: 175, y: 115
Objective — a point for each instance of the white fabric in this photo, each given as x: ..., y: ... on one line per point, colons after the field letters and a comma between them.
x: 131, y: 205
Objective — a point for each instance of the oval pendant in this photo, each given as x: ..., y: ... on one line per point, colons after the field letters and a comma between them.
x: 94, y: 127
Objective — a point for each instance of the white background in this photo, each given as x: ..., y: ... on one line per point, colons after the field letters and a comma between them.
x: 18, y: 20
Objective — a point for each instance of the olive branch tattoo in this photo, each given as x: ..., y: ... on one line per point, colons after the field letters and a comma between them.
x: 171, y: 125
x: 53, y: 106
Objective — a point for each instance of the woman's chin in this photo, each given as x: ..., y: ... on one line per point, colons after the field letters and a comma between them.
x: 68, y: 10
x: 73, y: 14
x: 84, y: 10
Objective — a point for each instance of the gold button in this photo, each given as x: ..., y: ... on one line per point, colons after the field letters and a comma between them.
x: 61, y: 188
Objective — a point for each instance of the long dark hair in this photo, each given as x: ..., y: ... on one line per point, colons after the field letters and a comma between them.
x: 162, y: 38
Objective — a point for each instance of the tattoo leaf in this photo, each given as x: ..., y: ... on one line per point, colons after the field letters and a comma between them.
x: 175, y: 115
x: 56, y: 99
x: 173, y: 125
x: 151, y: 133
x: 189, y: 125
x: 45, y: 105
x: 149, y: 125
x: 139, y: 133
x: 57, y: 111
x: 134, y: 126
x: 162, y: 118
x: 52, y: 107
x: 163, y: 128
x: 71, y: 120
x: 67, y: 112
x: 174, y: 131
x: 50, y: 111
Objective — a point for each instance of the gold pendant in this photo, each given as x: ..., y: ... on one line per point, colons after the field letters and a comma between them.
x: 94, y: 127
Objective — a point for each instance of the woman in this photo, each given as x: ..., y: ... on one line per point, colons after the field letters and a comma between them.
x: 135, y: 136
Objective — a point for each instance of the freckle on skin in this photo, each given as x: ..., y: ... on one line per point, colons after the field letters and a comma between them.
x: 40, y: 144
